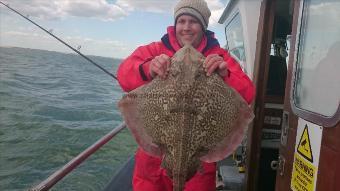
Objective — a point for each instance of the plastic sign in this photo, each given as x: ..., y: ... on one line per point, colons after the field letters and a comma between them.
x: 306, y: 156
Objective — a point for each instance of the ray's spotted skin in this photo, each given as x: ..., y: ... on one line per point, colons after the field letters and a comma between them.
x: 186, y: 118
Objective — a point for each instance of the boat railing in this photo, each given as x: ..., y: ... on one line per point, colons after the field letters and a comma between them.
x: 67, y: 168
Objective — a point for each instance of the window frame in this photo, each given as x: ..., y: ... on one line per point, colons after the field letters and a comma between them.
x: 314, y: 117
x: 229, y: 21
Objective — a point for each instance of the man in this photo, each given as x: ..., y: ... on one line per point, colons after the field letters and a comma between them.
x: 146, y: 62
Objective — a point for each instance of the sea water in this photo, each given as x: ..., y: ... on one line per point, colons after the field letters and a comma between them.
x: 52, y: 107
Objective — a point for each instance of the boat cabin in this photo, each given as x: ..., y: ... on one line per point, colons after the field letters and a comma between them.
x: 290, y: 49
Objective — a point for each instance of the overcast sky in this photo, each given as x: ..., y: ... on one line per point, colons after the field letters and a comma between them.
x: 110, y: 28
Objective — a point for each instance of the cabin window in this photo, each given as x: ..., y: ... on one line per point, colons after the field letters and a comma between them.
x: 234, y: 37
x: 317, y: 79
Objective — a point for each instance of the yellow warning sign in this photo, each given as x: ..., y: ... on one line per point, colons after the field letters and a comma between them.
x: 306, y: 156
x: 304, y: 147
x: 303, y: 175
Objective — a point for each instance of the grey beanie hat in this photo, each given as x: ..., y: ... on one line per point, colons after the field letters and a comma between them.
x: 196, y: 8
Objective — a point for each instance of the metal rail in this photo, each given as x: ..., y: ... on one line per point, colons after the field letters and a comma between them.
x: 62, y: 172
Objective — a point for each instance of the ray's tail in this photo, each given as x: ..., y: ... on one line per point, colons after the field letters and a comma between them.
x: 180, y: 167
x: 178, y: 182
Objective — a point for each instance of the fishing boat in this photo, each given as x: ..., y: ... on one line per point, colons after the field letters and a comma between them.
x: 290, y: 49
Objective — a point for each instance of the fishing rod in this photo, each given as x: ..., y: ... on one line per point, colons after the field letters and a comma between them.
x: 50, y: 33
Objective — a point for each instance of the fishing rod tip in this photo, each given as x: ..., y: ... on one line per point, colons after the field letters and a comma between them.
x: 6, y: 4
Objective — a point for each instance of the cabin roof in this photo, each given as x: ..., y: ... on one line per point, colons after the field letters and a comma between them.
x: 226, y: 11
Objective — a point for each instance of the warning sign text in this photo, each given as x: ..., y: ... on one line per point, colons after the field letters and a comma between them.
x: 303, y: 176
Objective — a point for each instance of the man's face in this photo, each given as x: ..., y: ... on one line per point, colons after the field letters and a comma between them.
x: 188, y: 30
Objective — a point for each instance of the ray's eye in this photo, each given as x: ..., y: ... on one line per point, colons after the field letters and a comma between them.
x: 198, y: 75
x: 174, y: 72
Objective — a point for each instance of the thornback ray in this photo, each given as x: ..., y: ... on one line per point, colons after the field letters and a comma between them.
x: 186, y: 118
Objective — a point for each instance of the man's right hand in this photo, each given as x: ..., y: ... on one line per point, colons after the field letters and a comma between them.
x: 160, y: 66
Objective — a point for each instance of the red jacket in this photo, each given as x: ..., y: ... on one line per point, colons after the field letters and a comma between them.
x: 134, y: 72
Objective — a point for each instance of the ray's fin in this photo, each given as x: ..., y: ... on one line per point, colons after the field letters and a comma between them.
x: 128, y: 107
x: 235, y: 137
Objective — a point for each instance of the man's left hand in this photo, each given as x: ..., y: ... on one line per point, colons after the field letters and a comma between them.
x: 215, y: 62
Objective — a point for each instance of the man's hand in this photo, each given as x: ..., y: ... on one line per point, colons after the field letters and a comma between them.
x: 215, y: 62
x: 160, y: 66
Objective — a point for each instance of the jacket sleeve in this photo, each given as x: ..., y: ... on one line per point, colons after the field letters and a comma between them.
x: 134, y: 70
x: 236, y: 78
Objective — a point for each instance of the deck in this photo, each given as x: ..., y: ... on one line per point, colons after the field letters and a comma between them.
x: 231, y: 178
